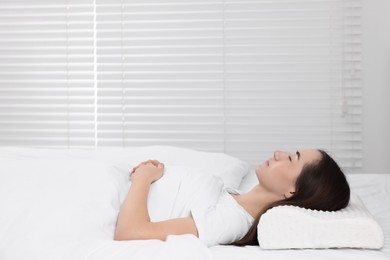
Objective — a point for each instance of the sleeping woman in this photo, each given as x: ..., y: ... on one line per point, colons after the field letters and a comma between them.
x: 308, y: 178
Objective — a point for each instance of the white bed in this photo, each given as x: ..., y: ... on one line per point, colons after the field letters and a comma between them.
x: 373, y: 189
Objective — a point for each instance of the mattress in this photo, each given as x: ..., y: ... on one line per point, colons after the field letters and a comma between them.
x: 373, y: 189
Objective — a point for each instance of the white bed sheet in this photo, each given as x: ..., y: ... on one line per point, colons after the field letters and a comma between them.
x: 373, y: 189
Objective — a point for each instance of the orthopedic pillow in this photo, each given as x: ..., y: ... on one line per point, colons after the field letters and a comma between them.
x: 286, y: 227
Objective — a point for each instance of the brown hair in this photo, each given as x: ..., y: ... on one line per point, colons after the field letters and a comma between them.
x: 321, y: 185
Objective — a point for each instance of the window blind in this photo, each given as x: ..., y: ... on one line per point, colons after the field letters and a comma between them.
x: 160, y: 74
x: 240, y: 77
x: 293, y: 78
x: 46, y: 73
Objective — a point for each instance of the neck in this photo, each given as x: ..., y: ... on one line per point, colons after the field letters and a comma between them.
x: 255, y: 200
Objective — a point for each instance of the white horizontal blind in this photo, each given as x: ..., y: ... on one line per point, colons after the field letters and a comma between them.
x: 241, y: 77
x: 46, y: 73
x: 160, y: 67
x: 293, y: 78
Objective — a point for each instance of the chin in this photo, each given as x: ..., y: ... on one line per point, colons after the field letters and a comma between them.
x: 258, y: 172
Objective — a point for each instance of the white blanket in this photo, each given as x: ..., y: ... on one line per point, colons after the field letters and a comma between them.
x: 67, y: 209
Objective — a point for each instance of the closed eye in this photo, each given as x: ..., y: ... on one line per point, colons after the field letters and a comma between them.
x: 289, y: 157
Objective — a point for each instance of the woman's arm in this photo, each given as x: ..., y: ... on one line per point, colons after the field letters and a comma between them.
x: 134, y: 221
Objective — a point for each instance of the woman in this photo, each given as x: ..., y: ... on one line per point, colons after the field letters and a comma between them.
x: 308, y: 178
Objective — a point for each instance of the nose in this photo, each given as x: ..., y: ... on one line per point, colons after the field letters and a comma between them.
x: 280, y: 155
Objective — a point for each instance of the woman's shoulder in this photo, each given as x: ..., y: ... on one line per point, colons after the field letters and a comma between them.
x: 224, y: 222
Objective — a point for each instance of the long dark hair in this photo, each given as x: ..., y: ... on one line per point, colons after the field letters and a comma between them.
x: 321, y: 185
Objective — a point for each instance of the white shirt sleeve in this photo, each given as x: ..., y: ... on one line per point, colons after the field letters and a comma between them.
x: 223, y: 223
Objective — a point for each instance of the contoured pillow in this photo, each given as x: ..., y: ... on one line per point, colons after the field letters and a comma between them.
x: 286, y: 227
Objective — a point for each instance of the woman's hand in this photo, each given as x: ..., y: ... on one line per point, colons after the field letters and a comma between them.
x: 155, y: 163
x: 150, y: 171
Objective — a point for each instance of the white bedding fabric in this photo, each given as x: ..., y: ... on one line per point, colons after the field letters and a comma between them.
x: 230, y: 169
x: 374, y: 191
x: 64, y: 209
x: 58, y: 205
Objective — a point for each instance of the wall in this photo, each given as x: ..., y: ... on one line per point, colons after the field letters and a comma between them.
x: 376, y: 90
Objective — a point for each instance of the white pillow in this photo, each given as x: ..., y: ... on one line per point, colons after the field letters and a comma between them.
x: 230, y: 169
x: 286, y: 227
x: 57, y: 203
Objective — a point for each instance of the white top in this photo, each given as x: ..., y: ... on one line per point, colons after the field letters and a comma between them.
x: 223, y: 223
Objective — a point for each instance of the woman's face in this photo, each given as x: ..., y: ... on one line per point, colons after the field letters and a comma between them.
x: 279, y: 173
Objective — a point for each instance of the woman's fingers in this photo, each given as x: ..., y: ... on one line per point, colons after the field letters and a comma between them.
x: 156, y: 163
